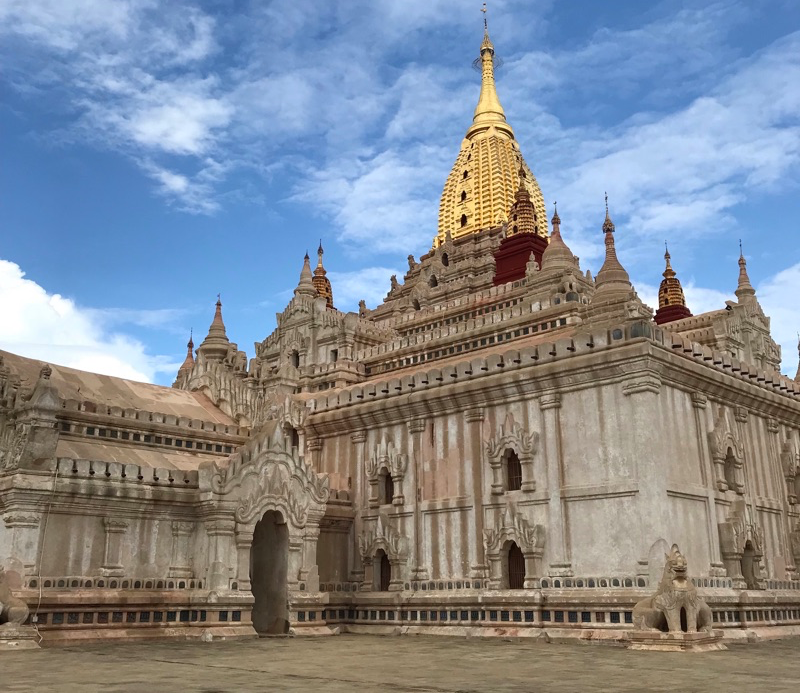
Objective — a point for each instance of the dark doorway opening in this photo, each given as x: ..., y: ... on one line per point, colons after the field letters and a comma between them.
x: 384, y: 569
x: 269, y: 564
x: 516, y: 567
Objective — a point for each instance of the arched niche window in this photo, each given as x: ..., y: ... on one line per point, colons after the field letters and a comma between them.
x: 383, y: 571
x: 295, y: 358
x: 463, y: 195
x: 463, y: 220
x: 415, y: 304
x: 385, y: 488
x: 513, y: 471
x: 445, y: 260
x: 433, y: 282
x: 466, y: 175
x: 294, y: 436
x: 730, y: 469
x: 515, y: 567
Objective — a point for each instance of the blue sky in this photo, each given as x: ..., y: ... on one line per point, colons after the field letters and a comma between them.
x: 156, y: 153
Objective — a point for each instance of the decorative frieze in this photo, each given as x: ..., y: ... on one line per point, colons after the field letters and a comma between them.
x: 727, y: 452
x: 551, y: 400
x: 647, y: 383
x: 417, y: 425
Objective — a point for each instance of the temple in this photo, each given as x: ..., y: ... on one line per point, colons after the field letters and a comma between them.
x: 507, y: 444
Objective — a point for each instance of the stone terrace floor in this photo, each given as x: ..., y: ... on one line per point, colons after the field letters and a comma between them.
x: 419, y: 664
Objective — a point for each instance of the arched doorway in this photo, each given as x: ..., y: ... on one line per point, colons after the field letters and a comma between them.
x: 383, y: 569
x: 269, y: 562
x: 516, y: 567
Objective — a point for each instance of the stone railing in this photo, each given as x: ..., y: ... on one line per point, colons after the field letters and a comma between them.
x: 133, y: 417
x: 75, y: 582
x: 567, y: 348
x: 91, y: 470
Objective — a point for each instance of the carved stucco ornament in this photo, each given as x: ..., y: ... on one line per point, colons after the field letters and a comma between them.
x: 727, y: 453
x: 267, y: 474
x: 386, y: 459
x: 512, y: 437
x: 512, y: 526
x: 742, y: 545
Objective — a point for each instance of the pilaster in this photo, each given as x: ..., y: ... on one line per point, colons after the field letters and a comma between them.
x: 180, y: 566
x: 557, y: 520
x: 112, y: 556
x: 415, y: 428
x: 478, y: 565
x: 24, y: 530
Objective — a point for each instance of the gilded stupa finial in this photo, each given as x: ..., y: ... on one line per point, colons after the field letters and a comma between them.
x: 321, y: 282
x: 488, y: 111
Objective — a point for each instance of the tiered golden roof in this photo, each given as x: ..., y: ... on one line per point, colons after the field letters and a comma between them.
x: 481, y: 188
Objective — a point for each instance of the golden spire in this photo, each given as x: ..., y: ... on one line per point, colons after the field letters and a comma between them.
x: 485, y: 178
x: 671, y: 301
x: 488, y: 111
x: 745, y: 289
x: 321, y: 283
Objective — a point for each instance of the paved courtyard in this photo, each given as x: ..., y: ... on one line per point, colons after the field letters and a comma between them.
x: 371, y: 663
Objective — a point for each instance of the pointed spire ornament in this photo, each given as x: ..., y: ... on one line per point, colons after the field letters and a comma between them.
x: 321, y: 282
x: 557, y: 255
x: 488, y: 111
x: 744, y: 291
x: 305, y: 286
x: 188, y: 362
x: 216, y: 344
x: 671, y: 301
x: 612, y: 276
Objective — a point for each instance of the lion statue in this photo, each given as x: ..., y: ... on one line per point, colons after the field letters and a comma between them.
x: 12, y: 610
x: 676, y: 594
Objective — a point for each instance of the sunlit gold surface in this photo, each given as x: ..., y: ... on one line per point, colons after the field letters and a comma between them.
x: 482, y: 184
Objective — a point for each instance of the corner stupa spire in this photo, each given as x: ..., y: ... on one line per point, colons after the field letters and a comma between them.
x: 216, y: 344
x: 305, y: 286
x: 745, y: 290
x: 188, y: 362
x: 612, y: 276
x: 321, y: 282
x: 557, y: 255
x: 671, y: 301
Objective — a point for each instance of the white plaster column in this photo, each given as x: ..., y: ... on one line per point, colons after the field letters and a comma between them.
x: 179, y: 565
x: 779, y: 480
x: 708, y: 475
x: 477, y: 561
x: 24, y: 530
x: 415, y: 428
x: 244, y: 546
x: 310, y: 571
x: 557, y: 520
x: 358, y: 438
x: 220, y: 530
x: 112, y: 556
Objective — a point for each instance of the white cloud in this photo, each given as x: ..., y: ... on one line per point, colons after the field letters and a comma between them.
x: 52, y: 328
x: 778, y: 296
